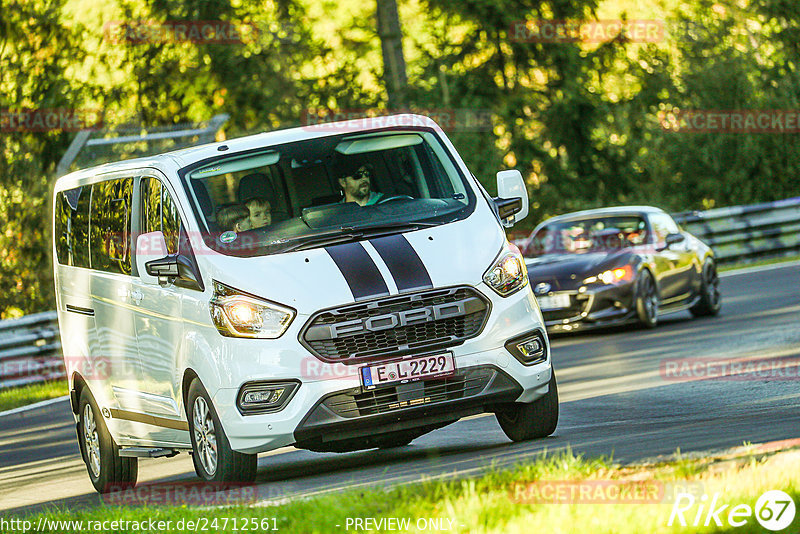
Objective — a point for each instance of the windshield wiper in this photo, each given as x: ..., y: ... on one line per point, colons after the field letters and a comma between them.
x: 393, y: 226
x: 350, y: 233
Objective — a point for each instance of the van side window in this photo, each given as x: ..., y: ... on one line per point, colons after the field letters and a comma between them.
x: 159, y: 213
x: 72, y: 226
x: 111, y: 226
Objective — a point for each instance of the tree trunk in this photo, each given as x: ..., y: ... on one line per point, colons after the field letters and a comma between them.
x: 394, y: 63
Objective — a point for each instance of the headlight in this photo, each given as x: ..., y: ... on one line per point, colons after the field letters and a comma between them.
x: 508, y: 274
x: 612, y: 276
x: 236, y: 314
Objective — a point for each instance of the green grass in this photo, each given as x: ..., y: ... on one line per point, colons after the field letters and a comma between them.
x: 20, y: 396
x: 488, y: 504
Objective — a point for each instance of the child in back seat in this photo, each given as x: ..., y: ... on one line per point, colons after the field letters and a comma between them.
x: 260, y: 214
x: 234, y: 217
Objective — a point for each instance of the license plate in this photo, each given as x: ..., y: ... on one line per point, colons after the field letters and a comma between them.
x: 553, y: 302
x: 408, y: 370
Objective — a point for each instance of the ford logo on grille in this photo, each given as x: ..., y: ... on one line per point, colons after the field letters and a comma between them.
x: 399, y: 319
x: 542, y: 288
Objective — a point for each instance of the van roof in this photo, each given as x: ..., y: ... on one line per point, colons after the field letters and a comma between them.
x: 186, y: 156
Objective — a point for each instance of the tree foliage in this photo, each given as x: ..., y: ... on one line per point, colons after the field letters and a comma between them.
x: 584, y: 122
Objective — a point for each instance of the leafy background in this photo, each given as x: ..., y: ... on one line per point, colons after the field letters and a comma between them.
x: 582, y: 121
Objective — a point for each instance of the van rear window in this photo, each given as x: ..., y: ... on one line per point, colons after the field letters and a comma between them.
x: 72, y: 226
x: 93, y: 226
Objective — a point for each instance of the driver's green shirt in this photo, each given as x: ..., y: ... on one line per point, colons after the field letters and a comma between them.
x: 373, y: 198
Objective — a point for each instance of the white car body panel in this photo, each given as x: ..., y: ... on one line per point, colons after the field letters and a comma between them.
x: 152, y: 335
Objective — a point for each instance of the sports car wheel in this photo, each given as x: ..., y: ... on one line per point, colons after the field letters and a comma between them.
x: 710, y: 297
x: 647, y: 300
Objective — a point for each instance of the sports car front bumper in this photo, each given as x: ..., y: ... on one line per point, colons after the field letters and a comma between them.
x: 592, y: 306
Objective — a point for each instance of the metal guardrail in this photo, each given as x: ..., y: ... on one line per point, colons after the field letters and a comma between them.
x: 739, y: 233
x: 30, y: 350
x: 743, y: 233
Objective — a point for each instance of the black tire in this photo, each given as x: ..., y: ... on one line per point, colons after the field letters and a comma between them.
x: 646, y: 300
x: 710, y: 298
x: 214, y: 460
x: 537, y: 419
x: 108, y: 471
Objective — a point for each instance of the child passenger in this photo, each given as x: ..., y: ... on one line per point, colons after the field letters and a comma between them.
x: 260, y: 215
x: 234, y: 217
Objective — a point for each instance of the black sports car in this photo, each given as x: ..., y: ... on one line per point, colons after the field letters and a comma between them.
x: 613, y: 265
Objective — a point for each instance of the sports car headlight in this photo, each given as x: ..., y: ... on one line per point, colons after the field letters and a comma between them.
x: 612, y: 276
x: 237, y: 314
x: 508, y: 274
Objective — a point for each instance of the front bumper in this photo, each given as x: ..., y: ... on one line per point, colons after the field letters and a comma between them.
x: 354, y: 416
x: 309, y: 422
x: 593, y: 307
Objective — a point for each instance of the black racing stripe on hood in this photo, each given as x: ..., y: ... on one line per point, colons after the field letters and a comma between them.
x: 359, y: 271
x: 407, y: 269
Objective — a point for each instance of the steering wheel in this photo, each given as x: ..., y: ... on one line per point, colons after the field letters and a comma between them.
x: 395, y: 197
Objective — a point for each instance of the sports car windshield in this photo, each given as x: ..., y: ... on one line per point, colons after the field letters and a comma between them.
x: 589, y: 235
x: 324, y: 191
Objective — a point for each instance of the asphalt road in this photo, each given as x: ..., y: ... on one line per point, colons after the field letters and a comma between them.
x: 617, y: 399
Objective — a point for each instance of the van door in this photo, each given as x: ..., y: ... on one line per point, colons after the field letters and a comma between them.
x: 158, y: 313
x: 115, y: 353
x: 73, y: 291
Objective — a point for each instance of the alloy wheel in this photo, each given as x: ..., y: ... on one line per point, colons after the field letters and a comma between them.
x: 205, y: 436
x: 91, y: 440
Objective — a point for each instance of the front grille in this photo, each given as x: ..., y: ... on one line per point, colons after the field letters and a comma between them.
x: 347, y: 335
x: 389, y: 398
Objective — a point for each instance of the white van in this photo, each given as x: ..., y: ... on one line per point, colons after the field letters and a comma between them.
x: 337, y: 287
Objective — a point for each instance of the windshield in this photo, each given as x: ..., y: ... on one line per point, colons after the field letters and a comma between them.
x: 322, y: 191
x: 589, y: 235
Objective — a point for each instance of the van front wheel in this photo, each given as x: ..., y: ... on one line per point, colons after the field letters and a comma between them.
x: 108, y: 471
x: 213, y: 458
x: 537, y: 419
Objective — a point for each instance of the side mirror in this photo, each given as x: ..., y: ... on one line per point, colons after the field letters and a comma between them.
x: 508, y: 207
x: 156, y: 267
x: 672, y: 239
x: 166, y: 267
x: 149, y: 247
x: 511, y: 187
x: 176, y: 268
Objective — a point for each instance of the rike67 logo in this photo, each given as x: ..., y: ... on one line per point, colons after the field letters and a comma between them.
x: 774, y: 510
